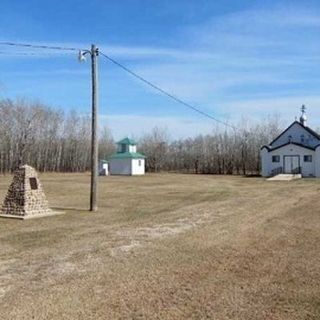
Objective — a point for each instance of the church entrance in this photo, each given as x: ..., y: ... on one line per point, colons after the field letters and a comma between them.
x: 291, y: 164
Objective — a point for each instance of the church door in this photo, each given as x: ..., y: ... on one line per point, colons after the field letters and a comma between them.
x: 291, y: 163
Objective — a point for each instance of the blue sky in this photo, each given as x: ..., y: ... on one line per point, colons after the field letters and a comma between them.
x: 233, y: 59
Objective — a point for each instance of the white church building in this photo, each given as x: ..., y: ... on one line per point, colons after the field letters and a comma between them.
x: 295, y: 151
x: 126, y: 161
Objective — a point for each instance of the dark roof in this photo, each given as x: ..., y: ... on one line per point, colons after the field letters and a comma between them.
x: 127, y: 155
x: 287, y: 143
x: 316, y: 135
x: 127, y: 141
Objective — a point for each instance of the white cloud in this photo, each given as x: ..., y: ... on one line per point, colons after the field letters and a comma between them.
x: 227, y: 62
x: 177, y: 127
x: 287, y: 107
x: 253, y: 111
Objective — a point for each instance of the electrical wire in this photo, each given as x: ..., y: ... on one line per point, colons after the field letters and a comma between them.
x: 31, y: 54
x: 28, y: 45
x: 149, y: 83
x: 171, y: 96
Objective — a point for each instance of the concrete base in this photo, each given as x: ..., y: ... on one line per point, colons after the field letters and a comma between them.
x: 285, y: 177
x: 26, y: 217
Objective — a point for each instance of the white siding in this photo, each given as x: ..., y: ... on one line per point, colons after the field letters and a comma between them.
x: 317, y: 162
x: 133, y: 149
x: 308, y: 168
x: 127, y: 166
x: 296, y: 132
x: 127, y: 148
x: 138, y: 166
x: 265, y: 161
x: 103, y: 168
x: 120, y: 166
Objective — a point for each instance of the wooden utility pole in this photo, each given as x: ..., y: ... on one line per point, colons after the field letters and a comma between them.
x: 94, y: 127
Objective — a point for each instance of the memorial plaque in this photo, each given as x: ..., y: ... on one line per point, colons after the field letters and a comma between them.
x: 33, y: 183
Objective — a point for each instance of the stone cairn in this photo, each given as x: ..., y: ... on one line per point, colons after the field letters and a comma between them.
x: 25, y: 197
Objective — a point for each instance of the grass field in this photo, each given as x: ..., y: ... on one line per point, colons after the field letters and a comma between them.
x: 165, y: 246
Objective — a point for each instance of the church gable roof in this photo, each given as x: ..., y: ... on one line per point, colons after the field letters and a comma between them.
x: 288, y: 143
x: 310, y: 131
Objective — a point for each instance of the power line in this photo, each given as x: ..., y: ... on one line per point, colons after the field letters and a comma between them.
x: 28, y: 45
x: 149, y: 83
x: 171, y: 96
x: 30, y: 54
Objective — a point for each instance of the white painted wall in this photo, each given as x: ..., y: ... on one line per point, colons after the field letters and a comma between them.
x: 317, y: 162
x: 138, y: 166
x: 120, y: 166
x: 132, y: 148
x: 296, y: 131
x: 265, y: 161
x: 308, y: 168
x: 127, y: 166
x: 127, y: 148
x: 103, y: 169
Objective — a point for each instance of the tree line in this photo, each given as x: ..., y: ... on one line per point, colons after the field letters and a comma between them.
x: 221, y: 152
x: 46, y: 138
x: 52, y: 140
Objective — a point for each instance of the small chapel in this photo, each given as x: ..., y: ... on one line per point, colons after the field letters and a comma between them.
x: 126, y: 161
x: 295, y: 151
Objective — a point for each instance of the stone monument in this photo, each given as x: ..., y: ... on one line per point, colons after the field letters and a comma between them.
x: 25, y: 198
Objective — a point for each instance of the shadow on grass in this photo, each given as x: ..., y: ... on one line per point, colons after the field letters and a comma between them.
x: 70, y: 209
x: 252, y: 176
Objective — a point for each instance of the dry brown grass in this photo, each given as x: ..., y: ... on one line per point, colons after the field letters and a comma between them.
x: 165, y: 246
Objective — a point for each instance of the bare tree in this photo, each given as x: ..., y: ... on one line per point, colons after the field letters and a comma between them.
x: 51, y: 140
x: 155, y: 146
